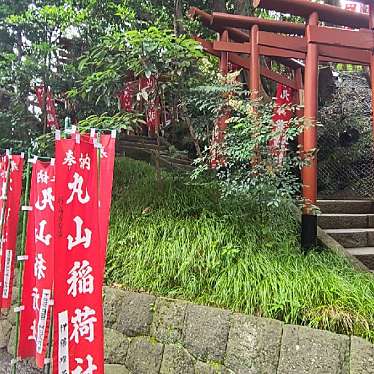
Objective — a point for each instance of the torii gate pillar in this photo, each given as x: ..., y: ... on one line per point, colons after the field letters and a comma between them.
x: 255, y: 64
x: 309, y: 218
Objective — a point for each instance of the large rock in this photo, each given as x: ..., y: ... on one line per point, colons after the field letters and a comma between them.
x: 115, y: 369
x: 176, y: 360
x: 5, y: 329
x: 144, y: 356
x: 205, y: 332
x: 305, y: 350
x: 136, y: 314
x: 115, y: 347
x: 113, y: 299
x: 167, y: 326
x: 362, y: 356
x: 254, y: 345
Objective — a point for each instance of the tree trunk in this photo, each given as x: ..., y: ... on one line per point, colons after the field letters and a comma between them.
x: 219, y: 6
x: 178, y: 17
x: 240, y: 7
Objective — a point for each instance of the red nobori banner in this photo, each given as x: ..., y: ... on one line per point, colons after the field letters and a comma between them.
x: 11, y: 211
x: 78, y: 313
x: 4, y: 162
x: 107, y: 155
x: 38, y: 272
x: 281, y: 117
x: 50, y: 105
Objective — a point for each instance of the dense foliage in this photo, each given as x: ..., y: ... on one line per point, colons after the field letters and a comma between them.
x: 185, y: 241
x: 83, y: 50
x: 251, y: 164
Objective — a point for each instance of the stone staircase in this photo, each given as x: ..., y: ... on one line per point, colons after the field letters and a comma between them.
x: 145, y: 149
x: 350, y: 223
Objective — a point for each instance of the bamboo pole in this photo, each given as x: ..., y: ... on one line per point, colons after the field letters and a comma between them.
x: 22, y: 251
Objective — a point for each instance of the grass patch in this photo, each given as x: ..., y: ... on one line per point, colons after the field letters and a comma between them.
x: 184, y: 241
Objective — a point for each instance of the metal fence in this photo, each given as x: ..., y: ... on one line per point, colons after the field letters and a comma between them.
x: 346, y: 162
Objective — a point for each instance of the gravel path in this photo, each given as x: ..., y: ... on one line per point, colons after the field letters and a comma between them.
x: 22, y: 367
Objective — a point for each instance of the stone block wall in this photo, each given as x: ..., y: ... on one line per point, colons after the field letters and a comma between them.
x: 149, y: 335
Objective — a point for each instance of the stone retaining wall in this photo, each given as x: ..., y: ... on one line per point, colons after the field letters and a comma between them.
x: 146, y: 335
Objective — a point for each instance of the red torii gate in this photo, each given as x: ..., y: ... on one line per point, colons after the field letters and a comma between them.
x: 361, y: 43
x: 226, y: 54
x: 320, y: 44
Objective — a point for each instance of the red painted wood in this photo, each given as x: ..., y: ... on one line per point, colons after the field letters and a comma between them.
x: 280, y: 52
x: 206, y: 19
x: 310, y: 117
x: 340, y: 54
x: 292, y: 43
x: 327, y: 13
x: 362, y: 39
x: 246, y: 22
x: 232, y: 47
x: 265, y: 72
x: 224, y: 56
x: 255, y: 64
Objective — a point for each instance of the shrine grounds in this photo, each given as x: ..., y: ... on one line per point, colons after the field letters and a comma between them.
x: 181, y: 239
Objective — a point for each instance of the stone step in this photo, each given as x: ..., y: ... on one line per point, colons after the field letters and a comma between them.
x: 124, y: 144
x: 365, y: 255
x: 363, y: 251
x: 346, y: 206
x: 345, y: 221
x: 138, y: 139
x: 353, y: 238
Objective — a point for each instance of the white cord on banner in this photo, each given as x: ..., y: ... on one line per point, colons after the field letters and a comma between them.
x: 58, y: 135
x: 22, y: 258
x: 53, y: 161
x: 97, y: 144
x: 92, y: 133
x: 19, y: 309
x: 26, y: 208
x: 73, y: 129
x: 22, y: 154
x: 51, y: 302
x: 113, y: 134
x: 33, y: 160
x: 77, y: 138
x: 7, y: 152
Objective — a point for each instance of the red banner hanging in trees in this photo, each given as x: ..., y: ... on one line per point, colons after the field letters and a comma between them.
x: 50, y: 105
x: 148, y: 84
x: 78, y: 315
x: 108, y: 144
x: 12, y: 207
x: 281, y: 117
x: 153, y: 115
x: 126, y: 96
x: 38, y: 272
